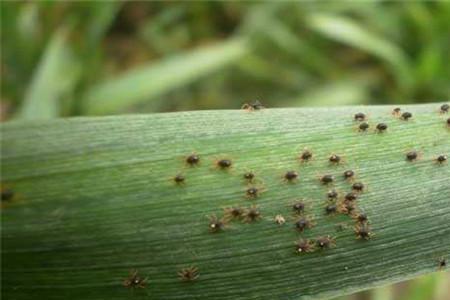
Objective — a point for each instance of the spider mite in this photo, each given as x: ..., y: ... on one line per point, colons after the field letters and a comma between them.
x: 304, y: 246
x: 179, y: 179
x: 279, y: 219
x: 290, y: 176
x: 441, y: 159
x: 381, y: 127
x: 412, y: 155
x: 188, y: 274
x: 303, y: 223
x: 331, y: 209
x: 216, y: 224
x: 249, y: 176
x: 362, y: 231
x: 326, y: 179
x: 347, y: 207
x: 363, y: 126
x: 351, y: 196
x: 361, y: 218
x: 334, y: 159
x: 298, y: 207
x: 224, y: 163
x: 406, y: 116
x: 255, y: 105
x: 233, y: 212
x: 448, y: 122
x: 349, y: 174
x: 358, y: 186
x: 444, y: 108
x: 332, y: 194
x: 135, y: 281
x: 442, y: 263
x: 396, y: 111
x: 325, y: 242
x: 306, y: 155
x: 360, y: 116
x: 253, y: 192
x: 252, y: 214
x: 6, y: 194
x: 193, y: 159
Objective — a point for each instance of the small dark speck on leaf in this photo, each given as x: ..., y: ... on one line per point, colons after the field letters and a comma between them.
x: 360, y: 116
x: 134, y: 280
x: 7, y: 194
x: 406, y: 115
x: 445, y: 108
x: 363, y: 126
x: 381, y: 127
x: 188, y: 274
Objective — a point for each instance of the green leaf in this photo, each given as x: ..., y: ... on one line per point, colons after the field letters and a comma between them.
x: 154, y: 80
x: 55, y: 76
x: 95, y: 197
x: 348, y: 32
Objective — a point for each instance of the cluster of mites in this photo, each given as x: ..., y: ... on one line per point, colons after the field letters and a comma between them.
x: 344, y: 205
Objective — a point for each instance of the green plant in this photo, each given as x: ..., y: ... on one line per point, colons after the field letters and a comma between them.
x: 95, y: 197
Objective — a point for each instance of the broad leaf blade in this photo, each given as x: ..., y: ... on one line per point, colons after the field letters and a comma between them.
x: 95, y: 198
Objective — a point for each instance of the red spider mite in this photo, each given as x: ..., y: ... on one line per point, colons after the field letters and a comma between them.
x: 216, y: 224
x: 192, y: 159
x: 304, y: 246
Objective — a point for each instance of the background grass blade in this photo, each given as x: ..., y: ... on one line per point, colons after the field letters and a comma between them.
x: 152, y: 81
x: 350, y: 33
x: 54, y: 77
x: 94, y: 198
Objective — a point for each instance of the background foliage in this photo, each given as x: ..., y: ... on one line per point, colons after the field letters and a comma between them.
x: 94, y: 58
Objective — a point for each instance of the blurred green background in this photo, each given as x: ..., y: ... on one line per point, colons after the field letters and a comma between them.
x: 62, y: 59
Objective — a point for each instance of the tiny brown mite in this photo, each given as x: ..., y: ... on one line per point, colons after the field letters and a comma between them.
x: 349, y: 174
x: 396, y: 111
x: 193, y: 159
x: 351, y: 196
x: 358, y: 186
x: 360, y: 116
x: 406, y: 115
x: 306, y: 155
x: 135, y: 281
x: 252, y: 214
x: 412, y: 155
x: 363, y: 126
x: 448, y: 122
x: 291, y: 176
x: 188, y: 274
x: 362, y: 231
x: 249, y: 176
x: 255, y: 105
x: 179, y: 179
x: 347, y: 207
x: 252, y: 192
x: 303, y: 223
x: 361, y: 218
x: 224, y: 163
x: 6, y: 194
x: 332, y: 194
x: 325, y: 242
x: 442, y: 263
x: 441, y: 159
x: 279, y: 219
x: 234, y: 212
x: 298, y: 207
x: 327, y: 179
x: 334, y: 159
x: 216, y: 224
x: 445, y: 108
x: 381, y: 127
x: 304, y: 246
x: 330, y: 209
